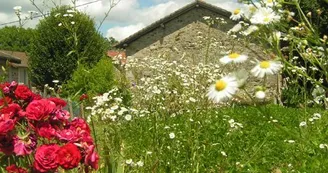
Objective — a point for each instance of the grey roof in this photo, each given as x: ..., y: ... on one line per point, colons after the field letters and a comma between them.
x: 11, y: 58
x: 183, y: 10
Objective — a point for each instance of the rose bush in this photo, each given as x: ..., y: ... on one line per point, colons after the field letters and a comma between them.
x: 39, y: 136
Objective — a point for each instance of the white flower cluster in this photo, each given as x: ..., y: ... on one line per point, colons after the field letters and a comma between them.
x: 234, y: 125
x: 109, y: 106
x: 131, y: 163
x: 170, y: 84
x: 69, y: 13
x: 315, y: 116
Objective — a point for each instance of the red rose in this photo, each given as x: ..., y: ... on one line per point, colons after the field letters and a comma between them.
x: 15, y: 169
x: 45, y: 158
x: 58, y: 101
x: 83, y: 97
x: 36, y: 97
x: 11, y: 110
x: 6, y: 144
x: 68, y: 156
x: 5, y: 100
x: 6, y: 125
x: 46, y: 130
x: 91, y: 158
x: 40, y: 109
x: 22, y: 92
x: 79, y: 125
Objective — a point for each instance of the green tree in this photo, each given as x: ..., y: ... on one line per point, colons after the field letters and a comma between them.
x: 111, y: 41
x: 16, y: 38
x: 63, y: 39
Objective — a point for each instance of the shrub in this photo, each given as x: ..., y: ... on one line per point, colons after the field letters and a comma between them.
x: 91, y: 81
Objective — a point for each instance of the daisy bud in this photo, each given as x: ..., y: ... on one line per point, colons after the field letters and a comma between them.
x: 319, y: 12
x: 309, y: 14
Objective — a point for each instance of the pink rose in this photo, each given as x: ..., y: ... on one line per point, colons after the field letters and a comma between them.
x: 68, y: 135
x: 25, y: 146
x: 91, y: 157
x: 80, y: 125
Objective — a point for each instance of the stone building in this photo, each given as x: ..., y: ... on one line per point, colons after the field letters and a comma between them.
x: 16, y: 64
x: 187, y: 34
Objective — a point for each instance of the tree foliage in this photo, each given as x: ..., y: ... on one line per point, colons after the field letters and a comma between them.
x: 16, y: 38
x: 63, y: 39
x: 92, y: 81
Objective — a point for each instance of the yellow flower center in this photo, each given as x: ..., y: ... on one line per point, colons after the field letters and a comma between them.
x: 270, y: 1
x: 236, y: 11
x: 252, y: 9
x: 265, y: 64
x: 234, y: 55
x: 220, y: 85
x: 266, y: 19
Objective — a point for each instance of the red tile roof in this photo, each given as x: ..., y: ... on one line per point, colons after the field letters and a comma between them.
x: 117, y: 55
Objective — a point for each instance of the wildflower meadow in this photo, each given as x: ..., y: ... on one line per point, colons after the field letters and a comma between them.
x: 162, y: 114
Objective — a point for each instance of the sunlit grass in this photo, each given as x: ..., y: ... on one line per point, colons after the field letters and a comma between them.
x: 209, y: 141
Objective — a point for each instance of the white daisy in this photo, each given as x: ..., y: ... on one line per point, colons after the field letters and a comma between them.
x: 241, y: 76
x: 303, y: 123
x: 236, y: 14
x: 260, y: 95
x: 172, y: 135
x: 250, y: 9
x: 235, y: 29
x: 269, y: 3
x: 264, y: 15
x: 276, y: 37
x: 233, y: 57
x: 223, y: 89
x: 264, y: 68
x: 18, y: 8
x: 128, y: 117
x: 250, y: 30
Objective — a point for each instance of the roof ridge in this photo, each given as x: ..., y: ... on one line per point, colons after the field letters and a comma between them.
x: 169, y: 17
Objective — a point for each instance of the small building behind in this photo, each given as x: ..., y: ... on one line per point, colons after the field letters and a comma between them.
x: 16, y: 65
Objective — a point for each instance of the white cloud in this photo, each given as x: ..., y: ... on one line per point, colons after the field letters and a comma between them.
x: 120, y: 33
x: 128, y: 14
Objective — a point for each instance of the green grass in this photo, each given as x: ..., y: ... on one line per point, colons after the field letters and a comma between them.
x: 201, y: 135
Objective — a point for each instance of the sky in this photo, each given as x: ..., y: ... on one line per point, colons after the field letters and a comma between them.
x: 126, y: 18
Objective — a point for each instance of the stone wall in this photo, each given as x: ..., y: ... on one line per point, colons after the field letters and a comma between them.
x: 188, y: 36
